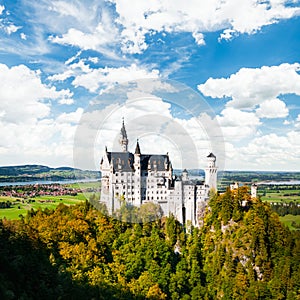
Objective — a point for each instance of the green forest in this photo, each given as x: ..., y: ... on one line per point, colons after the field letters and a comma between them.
x: 78, y: 252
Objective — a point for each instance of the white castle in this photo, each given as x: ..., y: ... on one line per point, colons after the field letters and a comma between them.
x: 140, y: 178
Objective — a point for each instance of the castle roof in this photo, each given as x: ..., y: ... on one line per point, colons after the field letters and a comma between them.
x: 211, y: 155
x: 154, y: 162
x: 123, y: 161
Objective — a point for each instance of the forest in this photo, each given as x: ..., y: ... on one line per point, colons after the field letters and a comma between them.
x: 78, y: 252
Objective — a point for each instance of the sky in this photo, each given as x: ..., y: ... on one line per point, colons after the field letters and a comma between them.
x: 187, y: 77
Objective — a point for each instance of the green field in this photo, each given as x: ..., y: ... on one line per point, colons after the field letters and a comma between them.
x: 280, y: 195
x: 288, y: 219
x: 84, y: 185
x: 21, y: 206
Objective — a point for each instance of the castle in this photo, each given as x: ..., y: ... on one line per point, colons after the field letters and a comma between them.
x: 140, y: 178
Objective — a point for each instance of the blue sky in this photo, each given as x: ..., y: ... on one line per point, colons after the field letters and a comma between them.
x: 219, y: 76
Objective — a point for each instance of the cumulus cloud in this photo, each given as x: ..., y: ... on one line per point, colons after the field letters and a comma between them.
x: 44, y: 141
x: 266, y: 152
x: 199, y: 38
x: 24, y: 96
x: 28, y: 132
x: 274, y: 108
x: 270, y: 150
x: 149, y: 119
x: 237, y: 124
x: 251, y: 87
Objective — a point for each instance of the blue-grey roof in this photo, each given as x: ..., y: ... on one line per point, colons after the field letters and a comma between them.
x: 122, y: 161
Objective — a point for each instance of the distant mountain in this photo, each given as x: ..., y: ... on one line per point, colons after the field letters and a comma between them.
x: 39, y: 172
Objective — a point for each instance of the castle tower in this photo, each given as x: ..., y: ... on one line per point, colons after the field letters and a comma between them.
x: 123, y: 141
x: 137, y: 175
x: 211, y: 172
x: 253, y: 190
x: 185, y: 175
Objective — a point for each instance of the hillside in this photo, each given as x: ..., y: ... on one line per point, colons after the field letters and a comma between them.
x: 77, y: 252
x: 39, y: 172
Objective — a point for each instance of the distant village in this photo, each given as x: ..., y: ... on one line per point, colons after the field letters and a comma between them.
x: 31, y: 191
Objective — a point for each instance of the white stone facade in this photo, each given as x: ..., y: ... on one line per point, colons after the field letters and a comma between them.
x: 140, y: 178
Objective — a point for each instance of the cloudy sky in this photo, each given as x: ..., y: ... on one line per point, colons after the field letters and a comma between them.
x: 205, y: 75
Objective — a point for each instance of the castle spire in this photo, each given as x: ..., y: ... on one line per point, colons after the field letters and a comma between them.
x: 137, y: 148
x: 123, y: 138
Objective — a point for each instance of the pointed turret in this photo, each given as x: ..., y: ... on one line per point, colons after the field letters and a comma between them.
x: 137, y: 148
x: 123, y: 138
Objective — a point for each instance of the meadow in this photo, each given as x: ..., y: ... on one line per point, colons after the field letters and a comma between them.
x: 20, y: 206
x: 282, y: 194
x: 288, y: 220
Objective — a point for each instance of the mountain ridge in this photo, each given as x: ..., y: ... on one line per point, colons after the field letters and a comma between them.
x: 40, y: 172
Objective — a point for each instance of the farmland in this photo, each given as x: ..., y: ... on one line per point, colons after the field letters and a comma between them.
x: 28, y: 199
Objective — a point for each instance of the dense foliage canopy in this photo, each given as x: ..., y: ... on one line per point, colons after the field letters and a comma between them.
x: 77, y: 252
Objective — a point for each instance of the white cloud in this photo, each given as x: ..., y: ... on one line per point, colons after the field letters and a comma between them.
x: 237, y: 124
x: 297, y: 122
x: 267, y: 152
x: 102, y: 27
x: 23, y: 95
x: 23, y: 36
x: 149, y: 119
x: 199, y: 38
x: 274, y: 108
x: 12, y: 28
x: 271, y: 152
x: 94, y: 36
x: 73, y: 117
x: 2, y: 8
x: 250, y: 87
x: 66, y: 101
x: 233, y: 16
x: 7, y: 25
x: 85, y: 41
x: 102, y: 78
x: 227, y: 34
x: 48, y: 141
x: 94, y: 60
x: 27, y: 133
